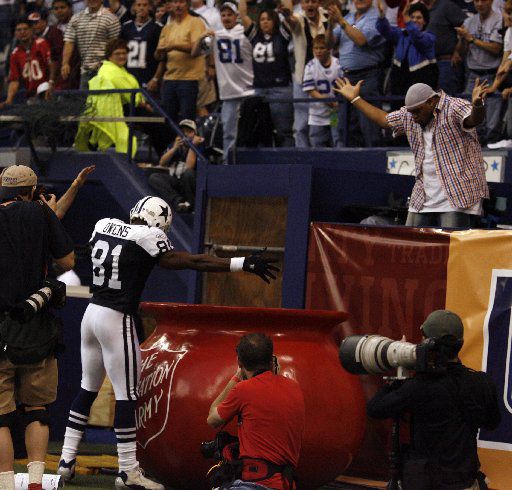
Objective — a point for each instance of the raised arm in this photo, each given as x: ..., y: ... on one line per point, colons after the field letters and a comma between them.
x: 477, y: 115
x: 351, y: 93
x: 354, y: 34
x: 64, y: 203
x: 242, y: 9
x: 286, y: 8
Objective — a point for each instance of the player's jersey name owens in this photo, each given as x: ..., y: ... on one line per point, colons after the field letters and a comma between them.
x: 114, y: 229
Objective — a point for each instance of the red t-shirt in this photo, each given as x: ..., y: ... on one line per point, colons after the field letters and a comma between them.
x: 271, y: 423
x: 32, y: 67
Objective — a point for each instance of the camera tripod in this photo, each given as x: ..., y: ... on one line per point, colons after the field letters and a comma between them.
x: 395, y: 460
x: 395, y: 457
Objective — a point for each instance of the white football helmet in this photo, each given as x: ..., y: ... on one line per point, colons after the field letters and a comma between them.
x: 154, y: 211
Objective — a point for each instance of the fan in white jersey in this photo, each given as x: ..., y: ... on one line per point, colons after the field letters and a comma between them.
x: 319, y: 77
x: 123, y: 255
x: 232, y: 52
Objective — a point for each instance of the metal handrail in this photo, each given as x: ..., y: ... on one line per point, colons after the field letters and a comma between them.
x: 131, y: 118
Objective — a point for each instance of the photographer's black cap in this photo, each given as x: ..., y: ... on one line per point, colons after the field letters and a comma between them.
x: 441, y: 323
x: 14, y: 177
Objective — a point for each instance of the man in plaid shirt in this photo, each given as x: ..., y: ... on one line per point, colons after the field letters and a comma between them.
x: 450, y: 176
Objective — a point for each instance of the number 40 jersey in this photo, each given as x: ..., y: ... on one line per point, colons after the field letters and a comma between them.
x: 123, y: 256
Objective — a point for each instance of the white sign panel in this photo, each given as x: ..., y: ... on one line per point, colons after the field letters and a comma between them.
x: 402, y: 163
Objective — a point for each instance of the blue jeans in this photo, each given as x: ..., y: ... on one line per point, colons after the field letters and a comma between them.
x: 491, y: 131
x: 85, y: 77
x: 244, y: 485
x: 230, y: 114
x: 450, y: 77
x: 451, y: 219
x: 282, y: 114
x: 372, y: 87
x: 320, y: 136
x: 179, y: 98
x: 300, y: 114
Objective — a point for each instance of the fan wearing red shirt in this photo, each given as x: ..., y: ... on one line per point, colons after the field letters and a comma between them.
x: 29, y: 64
x: 271, y: 416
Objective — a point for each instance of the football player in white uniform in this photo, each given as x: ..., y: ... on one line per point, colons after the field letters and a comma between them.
x: 123, y: 255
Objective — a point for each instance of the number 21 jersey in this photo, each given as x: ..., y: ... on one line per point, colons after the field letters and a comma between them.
x: 123, y: 256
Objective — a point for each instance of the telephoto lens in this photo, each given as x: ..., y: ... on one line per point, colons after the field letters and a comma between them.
x: 374, y: 354
x: 26, y: 310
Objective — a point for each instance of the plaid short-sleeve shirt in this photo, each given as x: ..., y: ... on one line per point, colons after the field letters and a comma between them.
x: 457, y: 152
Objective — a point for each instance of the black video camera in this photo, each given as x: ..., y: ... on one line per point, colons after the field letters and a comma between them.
x: 214, y: 449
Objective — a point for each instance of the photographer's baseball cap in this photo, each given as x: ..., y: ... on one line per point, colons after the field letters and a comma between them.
x: 188, y: 123
x: 441, y: 323
x: 14, y: 177
x: 229, y: 5
x: 418, y: 94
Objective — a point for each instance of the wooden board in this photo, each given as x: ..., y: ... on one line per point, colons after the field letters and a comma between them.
x: 247, y: 221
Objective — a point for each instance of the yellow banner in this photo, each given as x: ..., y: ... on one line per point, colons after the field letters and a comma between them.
x: 479, y: 289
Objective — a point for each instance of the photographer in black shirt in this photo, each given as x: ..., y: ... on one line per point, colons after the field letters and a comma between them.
x: 446, y: 410
x: 29, y: 233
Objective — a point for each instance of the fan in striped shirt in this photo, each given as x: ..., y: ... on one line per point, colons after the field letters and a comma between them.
x: 450, y: 174
x: 89, y: 30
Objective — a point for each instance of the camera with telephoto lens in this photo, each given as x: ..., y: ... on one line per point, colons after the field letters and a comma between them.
x: 213, y: 449
x: 53, y: 294
x: 374, y: 354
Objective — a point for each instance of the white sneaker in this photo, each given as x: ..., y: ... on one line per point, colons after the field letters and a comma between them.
x: 500, y: 144
x: 136, y: 479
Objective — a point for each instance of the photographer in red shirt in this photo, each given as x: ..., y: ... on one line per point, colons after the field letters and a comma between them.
x: 271, y: 416
x: 30, y: 63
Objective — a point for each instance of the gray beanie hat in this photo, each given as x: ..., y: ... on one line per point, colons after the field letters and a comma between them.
x: 418, y: 94
x: 443, y: 322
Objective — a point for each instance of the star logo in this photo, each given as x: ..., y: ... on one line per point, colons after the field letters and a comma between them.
x: 392, y: 163
x: 165, y: 212
x: 494, y: 165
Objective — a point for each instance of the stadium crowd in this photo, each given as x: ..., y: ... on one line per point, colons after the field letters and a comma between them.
x: 203, y: 60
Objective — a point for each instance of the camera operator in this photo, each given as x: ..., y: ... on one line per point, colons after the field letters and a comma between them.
x: 447, y: 409
x: 271, y: 416
x: 29, y: 232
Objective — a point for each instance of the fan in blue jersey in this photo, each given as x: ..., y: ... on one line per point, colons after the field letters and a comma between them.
x: 142, y: 36
x: 319, y: 76
x: 232, y: 53
x: 123, y: 255
x: 271, y: 64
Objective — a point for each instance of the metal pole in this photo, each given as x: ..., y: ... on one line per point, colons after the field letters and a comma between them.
x: 130, y: 130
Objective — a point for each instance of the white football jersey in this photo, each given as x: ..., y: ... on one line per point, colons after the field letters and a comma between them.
x: 233, y: 63
x: 318, y: 77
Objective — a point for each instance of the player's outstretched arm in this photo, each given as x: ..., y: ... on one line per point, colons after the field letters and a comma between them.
x: 254, y: 264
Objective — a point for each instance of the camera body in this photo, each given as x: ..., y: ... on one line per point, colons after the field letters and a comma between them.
x: 215, y: 449
x: 374, y: 354
x: 40, y: 191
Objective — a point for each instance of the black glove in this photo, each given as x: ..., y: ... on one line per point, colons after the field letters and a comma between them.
x: 256, y: 264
